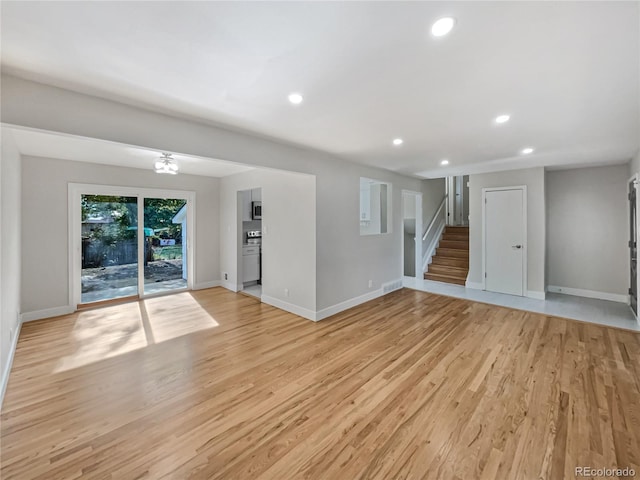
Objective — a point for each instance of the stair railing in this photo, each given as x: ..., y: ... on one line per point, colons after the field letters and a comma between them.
x: 428, y: 247
x: 435, y: 217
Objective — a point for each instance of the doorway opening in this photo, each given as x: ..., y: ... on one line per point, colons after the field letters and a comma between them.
x: 457, y: 191
x: 250, y: 257
x: 412, y: 243
x: 128, y: 243
x: 633, y: 245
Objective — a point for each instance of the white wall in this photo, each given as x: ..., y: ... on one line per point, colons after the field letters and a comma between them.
x: 345, y: 260
x: 10, y: 247
x: 587, y: 229
x: 408, y: 206
x: 288, y: 236
x: 533, y: 178
x: 45, y: 279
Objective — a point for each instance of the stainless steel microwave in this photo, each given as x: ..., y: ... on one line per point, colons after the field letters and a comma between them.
x: 256, y: 210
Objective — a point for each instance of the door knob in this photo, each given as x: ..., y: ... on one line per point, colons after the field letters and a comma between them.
x: 516, y: 246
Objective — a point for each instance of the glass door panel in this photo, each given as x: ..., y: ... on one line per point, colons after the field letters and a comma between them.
x: 109, y: 247
x: 165, y: 245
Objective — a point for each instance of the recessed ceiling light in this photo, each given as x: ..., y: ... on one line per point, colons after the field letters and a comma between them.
x: 295, y: 98
x: 502, y: 118
x: 444, y: 162
x: 526, y: 151
x: 398, y: 141
x: 442, y: 26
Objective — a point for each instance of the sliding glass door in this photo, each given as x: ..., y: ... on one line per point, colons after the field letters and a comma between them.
x: 128, y: 242
x: 109, y: 247
x: 165, y: 244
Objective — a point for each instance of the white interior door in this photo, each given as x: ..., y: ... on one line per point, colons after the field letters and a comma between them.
x: 504, y: 241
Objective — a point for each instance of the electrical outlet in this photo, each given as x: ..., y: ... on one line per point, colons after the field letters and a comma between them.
x: 370, y: 283
x: 226, y: 276
x: 286, y: 292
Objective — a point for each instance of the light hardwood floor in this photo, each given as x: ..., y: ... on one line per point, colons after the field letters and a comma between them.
x: 212, y: 384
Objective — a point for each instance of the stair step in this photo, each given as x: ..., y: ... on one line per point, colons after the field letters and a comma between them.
x: 450, y: 270
x: 458, y: 230
x: 455, y: 237
x: 454, y: 262
x: 444, y: 278
x: 456, y: 244
x: 452, y: 252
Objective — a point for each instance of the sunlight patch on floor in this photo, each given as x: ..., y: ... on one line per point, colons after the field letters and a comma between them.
x: 111, y: 331
x: 176, y: 315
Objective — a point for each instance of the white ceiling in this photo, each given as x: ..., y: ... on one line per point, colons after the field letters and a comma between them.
x: 42, y: 144
x: 567, y: 72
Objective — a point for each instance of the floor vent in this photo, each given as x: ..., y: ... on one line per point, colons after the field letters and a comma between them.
x: 391, y: 286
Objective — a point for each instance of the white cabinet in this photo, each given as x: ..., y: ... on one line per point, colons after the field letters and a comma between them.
x: 249, y: 196
x: 250, y: 264
x: 246, y: 205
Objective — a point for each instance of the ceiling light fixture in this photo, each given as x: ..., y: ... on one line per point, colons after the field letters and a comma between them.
x: 502, y: 118
x: 526, y: 151
x: 444, y: 162
x: 295, y: 98
x: 166, y: 164
x: 442, y: 26
x: 398, y: 141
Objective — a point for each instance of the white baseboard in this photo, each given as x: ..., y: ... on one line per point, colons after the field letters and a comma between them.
x: 578, y: 292
x: 386, y: 288
x: 474, y: 285
x: 536, y: 295
x: 230, y: 286
x: 347, y: 304
x: 203, y: 285
x: 46, y: 313
x: 7, y: 368
x: 289, y: 307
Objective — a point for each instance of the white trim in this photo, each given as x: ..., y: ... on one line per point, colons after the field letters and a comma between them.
x: 474, y: 285
x: 230, y: 286
x: 347, y: 304
x: 334, y: 309
x: 289, y: 307
x: 578, y: 292
x: 7, y: 368
x: 46, y: 313
x: 525, y: 238
x: 75, y: 190
x: 204, y: 285
x: 536, y: 295
x: 435, y: 241
x: 140, y: 239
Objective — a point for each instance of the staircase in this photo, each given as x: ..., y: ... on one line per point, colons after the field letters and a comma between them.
x: 450, y: 264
